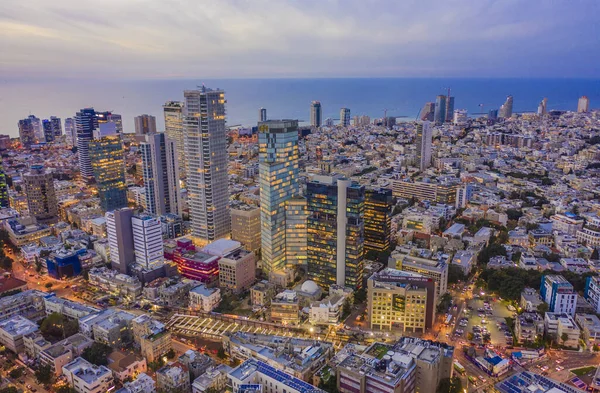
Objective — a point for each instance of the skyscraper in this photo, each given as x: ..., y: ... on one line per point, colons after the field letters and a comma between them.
x: 335, y: 231
x: 378, y: 219
x: 108, y: 167
x: 26, y: 133
x: 85, y: 122
x: 117, y: 120
x: 295, y: 231
x: 428, y: 111
x: 423, y: 143
x: 41, y: 197
x: 71, y: 131
x: 439, y: 115
x: 161, y: 175
x: 4, y: 200
x: 206, y: 151
x: 120, y: 238
x: 48, y: 132
x: 37, y: 128
x: 583, y: 105
x: 56, y: 126
x: 506, y: 110
x: 278, y: 173
x: 145, y: 124
x: 147, y: 242
x: 344, y: 117
x: 262, y: 114
x: 543, y: 107
x: 449, y: 108
x: 173, y: 112
x: 316, y: 115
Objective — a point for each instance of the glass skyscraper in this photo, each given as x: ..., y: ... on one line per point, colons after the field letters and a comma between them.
x: 378, y: 219
x: 439, y: 115
x: 173, y: 111
x: 108, y: 167
x: 335, y: 231
x: 295, y: 231
x: 278, y: 180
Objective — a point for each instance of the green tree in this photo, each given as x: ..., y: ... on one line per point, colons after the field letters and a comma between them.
x: 450, y: 385
x: 445, y: 303
x: 564, y: 337
x: 455, y: 274
x: 65, y: 389
x: 56, y: 326
x: 44, y: 374
x: 49, y: 285
x: 595, y: 255
x: 16, y: 373
x: 97, y: 354
x: 542, y: 308
x: 170, y: 354
x: 9, y: 389
x: 221, y: 353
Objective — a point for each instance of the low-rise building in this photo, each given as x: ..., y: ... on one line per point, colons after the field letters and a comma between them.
x: 35, y: 343
x: 437, y: 269
x: 530, y: 300
x: 285, y: 308
x: 558, y: 324
x: 590, y: 326
x: 465, y: 259
x: 85, y: 377
x: 12, y: 331
x: 126, y: 365
x: 196, y: 362
x: 114, y: 282
x: 142, y: 384
x: 528, y: 326
x: 327, y: 311
x: 25, y: 230
x: 559, y: 294
x: 568, y: 223
x: 255, y: 372
x: 590, y: 233
x: 109, y: 326
x: 68, y: 308
x: 173, y: 377
x: 262, y: 292
x: 527, y: 261
x: 63, y: 352
x: 204, y: 299
x: 213, y: 378
x: 155, y: 345
x: 28, y: 304
x: 237, y: 270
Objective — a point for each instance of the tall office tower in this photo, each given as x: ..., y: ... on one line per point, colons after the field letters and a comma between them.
x: 108, y: 167
x: 85, y: 123
x: 147, y: 242
x: 56, y: 126
x: 70, y: 131
x: 48, y: 132
x: 206, y: 150
x: 295, y: 231
x: 38, y: 129
x: 506, y: 110
x: 278, y: 179
x: 493, y: 114
x: 439, y: 115
x: 428, y: 111
x: 543, y: 107
x: 161, y: 175
x: 449, y: 109
x: 4, y: 200
x: 41, y: 197
x: 117, y: 120
x: 583, y: 105
x: 262, y: 114
x: 145, y: 124
x: 335, y: 231
x: 26, y: 133
x: 378, y: 219
x: 344, y: 117
x: 245, y: 227
x: 120, y: 238
x: 316, y: 114
x: 423, y: 142
x: 173, y: 112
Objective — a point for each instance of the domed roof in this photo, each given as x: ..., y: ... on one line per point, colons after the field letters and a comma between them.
x: 309, y: 286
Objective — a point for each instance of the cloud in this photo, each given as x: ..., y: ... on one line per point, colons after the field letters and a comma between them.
x: 262, y: 38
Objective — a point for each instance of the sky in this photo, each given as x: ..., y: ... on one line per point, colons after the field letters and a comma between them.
x: 161, y: 39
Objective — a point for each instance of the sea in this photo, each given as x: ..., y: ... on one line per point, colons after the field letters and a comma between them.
x: 284, y: 98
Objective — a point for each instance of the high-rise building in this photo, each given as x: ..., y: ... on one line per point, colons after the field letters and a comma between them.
x: 506, y: 110
x: 48, y: 132
x: 56, y: 126
x: 120, y: 238
x: 206, y: 152
x: 71, y: 131
x: 493, y: 114
x: 344, y: 117
x: 460, y: 117
x: 4, y: 200
x: 428, y: 111
x: 295, y: 231
x: 145, y: 124
x: 543, y: 107
x: 378, y: 219
x: 38, y: 129
x: 108, y: 167
x: 316, y: 114
x: 245, y: 227
x: 262, y: 114
x: 423, y: 143
x: 559, y: 294
x: 335, y: 231
x: 439, y: 115
x: 86, y: 122
x: 449, y: 109
x: 583, y: 105
x: 173, y: 112
x: 26, y: 133
x: 147, y: 242
x: 161, y: 175
x: 41, y: 197
x: 278, y: 173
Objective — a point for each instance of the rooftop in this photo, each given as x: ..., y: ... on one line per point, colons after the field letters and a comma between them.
x: 246, y: 371
x: 86, y: 371
x: 18, y: 326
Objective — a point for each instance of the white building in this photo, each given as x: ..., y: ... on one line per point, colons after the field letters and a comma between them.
x: 590, y: 233
x: 88, y: 378
x: 557, y: 324
x: 142, y: 384
x: 147, y: 242
x: 255, y: 372
x: 115, y: 282
x: 465, y: 260
x: 568, y: 223
x: 460, y: 117
x: 206, y: 154
x: 204, y: 299
x: 68, y: 308
x: 592, y: 292
x: 327, y: 311
x: 12, y: 331
x: 559, y: 294
x: 583, y: 105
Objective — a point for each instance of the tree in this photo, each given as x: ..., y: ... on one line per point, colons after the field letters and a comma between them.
x: 170, y: 354
x: 16, y: 373
x: 49, y: 285
x: 221, y: 353
x: 97, y: 354
x: 44, y: 374
x: 542, y: 308
x: 564, y: 337
x: 346, y: 309
x: 65, y: 389
x: 514, y: 214
x: 445, y: 303
x: 455, y: 274
x: 9, y: 389
x: 56, y: 326
x: 595, y: 348
x: 595, y: 255
x: 450, y: 385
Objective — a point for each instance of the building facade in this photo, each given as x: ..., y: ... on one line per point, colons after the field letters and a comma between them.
x: 147, y: 242
x: 559, y: 294
x: 378, y: 219
x: 144, y: 124
x: 173, y: 113
x: 120, y: 239
x: 316, y: 114
x: 41, y: 196
x: 344, y: 117
x: 245, y: 227
x: 108, y: 166
x: 295, y: 231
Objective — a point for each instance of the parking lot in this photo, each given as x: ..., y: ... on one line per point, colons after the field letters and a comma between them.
x: 482, y: 319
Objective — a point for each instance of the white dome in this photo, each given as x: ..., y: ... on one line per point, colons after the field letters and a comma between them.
x: 309, y: 286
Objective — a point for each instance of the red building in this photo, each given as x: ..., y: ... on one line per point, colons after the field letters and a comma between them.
x: 191, y: 263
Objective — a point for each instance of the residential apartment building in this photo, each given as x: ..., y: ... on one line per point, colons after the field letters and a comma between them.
x: 444, y: 192
x: 267, y: 378
x: 41, y: 197
x: 559, y: 294
x: 528, y: 326
x: 173, y: 113
x: 13, y: 330
x: 568, y: 223
x: 85, y: 377
x: 557, y: 324
x: 173, y: 377
x: 237, y: 270
x: 285, y: 308
x: 204, y: 299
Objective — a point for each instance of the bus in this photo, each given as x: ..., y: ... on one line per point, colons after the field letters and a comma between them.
x: 459, y: 367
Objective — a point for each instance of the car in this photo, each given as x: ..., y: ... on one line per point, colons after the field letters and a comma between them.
x: 482, y: 378
x: 559, y: 368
